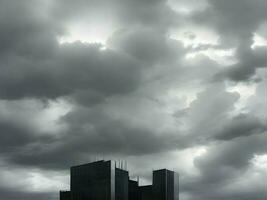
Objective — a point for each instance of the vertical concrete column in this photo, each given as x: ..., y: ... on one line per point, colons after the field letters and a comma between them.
x: 176, y: 186
x: 112, y: 179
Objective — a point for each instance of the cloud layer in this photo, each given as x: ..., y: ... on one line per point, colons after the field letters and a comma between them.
x: 140, y: 80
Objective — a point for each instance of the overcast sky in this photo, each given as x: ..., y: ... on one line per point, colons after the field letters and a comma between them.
x: 178, y: 84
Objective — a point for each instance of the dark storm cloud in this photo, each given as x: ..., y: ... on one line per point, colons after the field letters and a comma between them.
x: 34, y: 65
x: 17, y: 133
x: 74, y: 69
x: 13, y: 136
x: 250, y: 61
x: 94, y: 132
x: 28, y: 33
x: 232, y: 17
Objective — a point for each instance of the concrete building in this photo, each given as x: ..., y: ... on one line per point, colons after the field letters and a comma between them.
x: 103, y: 180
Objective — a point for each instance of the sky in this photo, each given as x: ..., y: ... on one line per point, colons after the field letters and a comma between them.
x: 177, y: 84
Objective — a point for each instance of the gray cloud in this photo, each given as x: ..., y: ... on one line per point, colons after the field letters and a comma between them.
x: 34, y: 65
x: 147, y: 45
x: 223, y: 166
x: 95, y: 131
x: 211, y: 106
x: 76, y: 67
x: 16, y: 195
x: 242, y: 125
x: 127, y: 13
x: 17, y: 131
x: 236, y: 28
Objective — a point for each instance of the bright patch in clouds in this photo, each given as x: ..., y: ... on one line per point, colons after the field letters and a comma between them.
x: 32, y: 180
x: 194, y: 36
x: 88, y: 32
x: 258, y: 41
x: 187, y: 7
x: 44, y: 118
x: 260, y: 161
x: 47, y: 119
x: 203, y: 41
x: 245, y: 90
x: 43, y: 182
x: 221, y: 56
x: 188, y: 156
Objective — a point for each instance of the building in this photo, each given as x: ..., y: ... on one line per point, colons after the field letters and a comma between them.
x: 100, y: 180
x: 103, y: 180
x: 121, y: 184
x: 66, y: 195
x: 133, y: 191
x: 165, y: 185
x: 146, y: 192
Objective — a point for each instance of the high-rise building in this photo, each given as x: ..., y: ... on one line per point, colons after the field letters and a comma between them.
x: 133, y: 190
x: 99, y: 180
x: 146, y: 192
x: 121, y: 184
x: 165, y: 185
x: 102, y: 180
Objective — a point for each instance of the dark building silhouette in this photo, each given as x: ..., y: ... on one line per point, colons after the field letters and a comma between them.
x: 133, y: 191
x: 66, y: 195
x: 121, y: 184
x: 103, y: 180
x: 99, y: 180
x: 146, y: 192
x: 165, y: 185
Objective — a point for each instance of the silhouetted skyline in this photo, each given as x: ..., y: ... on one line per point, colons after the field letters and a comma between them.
x: 104, y: 180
